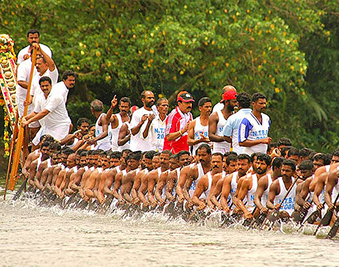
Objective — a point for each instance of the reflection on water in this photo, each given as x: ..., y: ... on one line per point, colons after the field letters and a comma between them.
x: 36, y: 236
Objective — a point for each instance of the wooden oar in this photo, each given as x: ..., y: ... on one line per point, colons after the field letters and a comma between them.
x: 272, y: 217
x: 327, y: 217
x: 18, y: 193
x: 17, y: 153
x: 15, y: 134
x: 333, y: 230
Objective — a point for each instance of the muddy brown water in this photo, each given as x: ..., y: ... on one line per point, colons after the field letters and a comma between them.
x: 31, y: 235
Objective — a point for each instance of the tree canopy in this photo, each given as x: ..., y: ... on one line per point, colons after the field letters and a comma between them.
x: 286, y: 49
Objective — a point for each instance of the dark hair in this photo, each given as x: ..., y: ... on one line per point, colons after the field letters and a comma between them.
x: 81, y: 121
x: 306, y: 165
x: 98, y: 151
x: 149, y: 154
x: 125, y: 100
x: 48, y: 138
x: 231, y: 158
x: 230, y: 153
x: 283, y: 141
x: 203, y: 101
x: 45, y: 79
x: 264, y: 157
x: 244, y: 156
x: 68, y: 73
x: 33, y: 31
x: 291, y: 163
x: 183, y: 152
x: 321, y: 156
x: 253, y: 155
x: 167, y: 152
x: 284, y: 150
x: 277, y: 162
x: 257, y: 96
x: 244, y: 100
x: 134, y: 155
x: 217, y: 154
x: 84, y: 153
x: 305, y: 152
x: 116, y: 155
x: 55, y: 146
x: 205, y: 146
x: 45, y: 144
x: 293, y: 151
x: 335, y: 152
x: 126, y: 150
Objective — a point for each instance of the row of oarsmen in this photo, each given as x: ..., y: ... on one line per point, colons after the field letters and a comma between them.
x: 234, y: 183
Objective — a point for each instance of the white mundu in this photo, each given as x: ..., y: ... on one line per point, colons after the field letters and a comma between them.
x: 23, y: 72
x: 60, y: 88
x: 251, y: 129
x: 137, y: 143
x: 24, y: 51
x: 56, y: 123
x: 114, y: 133
x: 103, y: 143
x: 288, y: 204
x: 199, y: 129
x: 224, y: 146
x: 156, y: 133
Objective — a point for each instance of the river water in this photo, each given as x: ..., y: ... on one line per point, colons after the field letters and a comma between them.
x: 31, y: 235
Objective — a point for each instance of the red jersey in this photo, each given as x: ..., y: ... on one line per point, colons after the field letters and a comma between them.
x: 175, y: 122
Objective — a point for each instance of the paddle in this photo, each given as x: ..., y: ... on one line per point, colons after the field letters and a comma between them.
x: 333, y: 230
x: 18, y: 193
x: 327, y: 217
x: 17, y: 153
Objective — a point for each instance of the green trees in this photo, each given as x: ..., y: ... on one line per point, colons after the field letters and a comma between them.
x: 283, y: 48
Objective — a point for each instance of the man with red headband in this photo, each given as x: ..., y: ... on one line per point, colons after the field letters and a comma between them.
x: 177, y: 124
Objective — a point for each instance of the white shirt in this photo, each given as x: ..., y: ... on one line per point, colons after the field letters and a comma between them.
x: 56, y: 123
x: 156, y: 133
x: 24, y: 51
x: 218, y: 107
x: 23, y: 73
x: 61, y: 89
x: 231, y: 128
x: 137, y: 143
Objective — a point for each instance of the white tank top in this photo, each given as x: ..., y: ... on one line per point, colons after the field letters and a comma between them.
x: 209, y: 176
x: 39, y: 162
x: 128, y: 143
x: 224, y: 146
x: 194, y: 183
x: 265, y: 194
x: 199, y: 129
x: 250, y: 194
x: 98, y: 131
x: 289, y: 201
x: 114, y: 133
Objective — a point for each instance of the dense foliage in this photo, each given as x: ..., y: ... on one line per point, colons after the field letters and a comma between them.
x: 287, y: 49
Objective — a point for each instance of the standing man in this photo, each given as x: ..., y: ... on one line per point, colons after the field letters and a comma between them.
x: 33, y: 36
x: 198, y: 129
x: 177, y: 124
x: 101, y: 126
x: 219, y: 106
x: 154, y: 129
x: 253, y: 130
x: 67, y: 83
x: 231, y: 128
x: 139, y: 117
x: 115, y: 121
x: 51, y: 111
x: 217, y: 122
